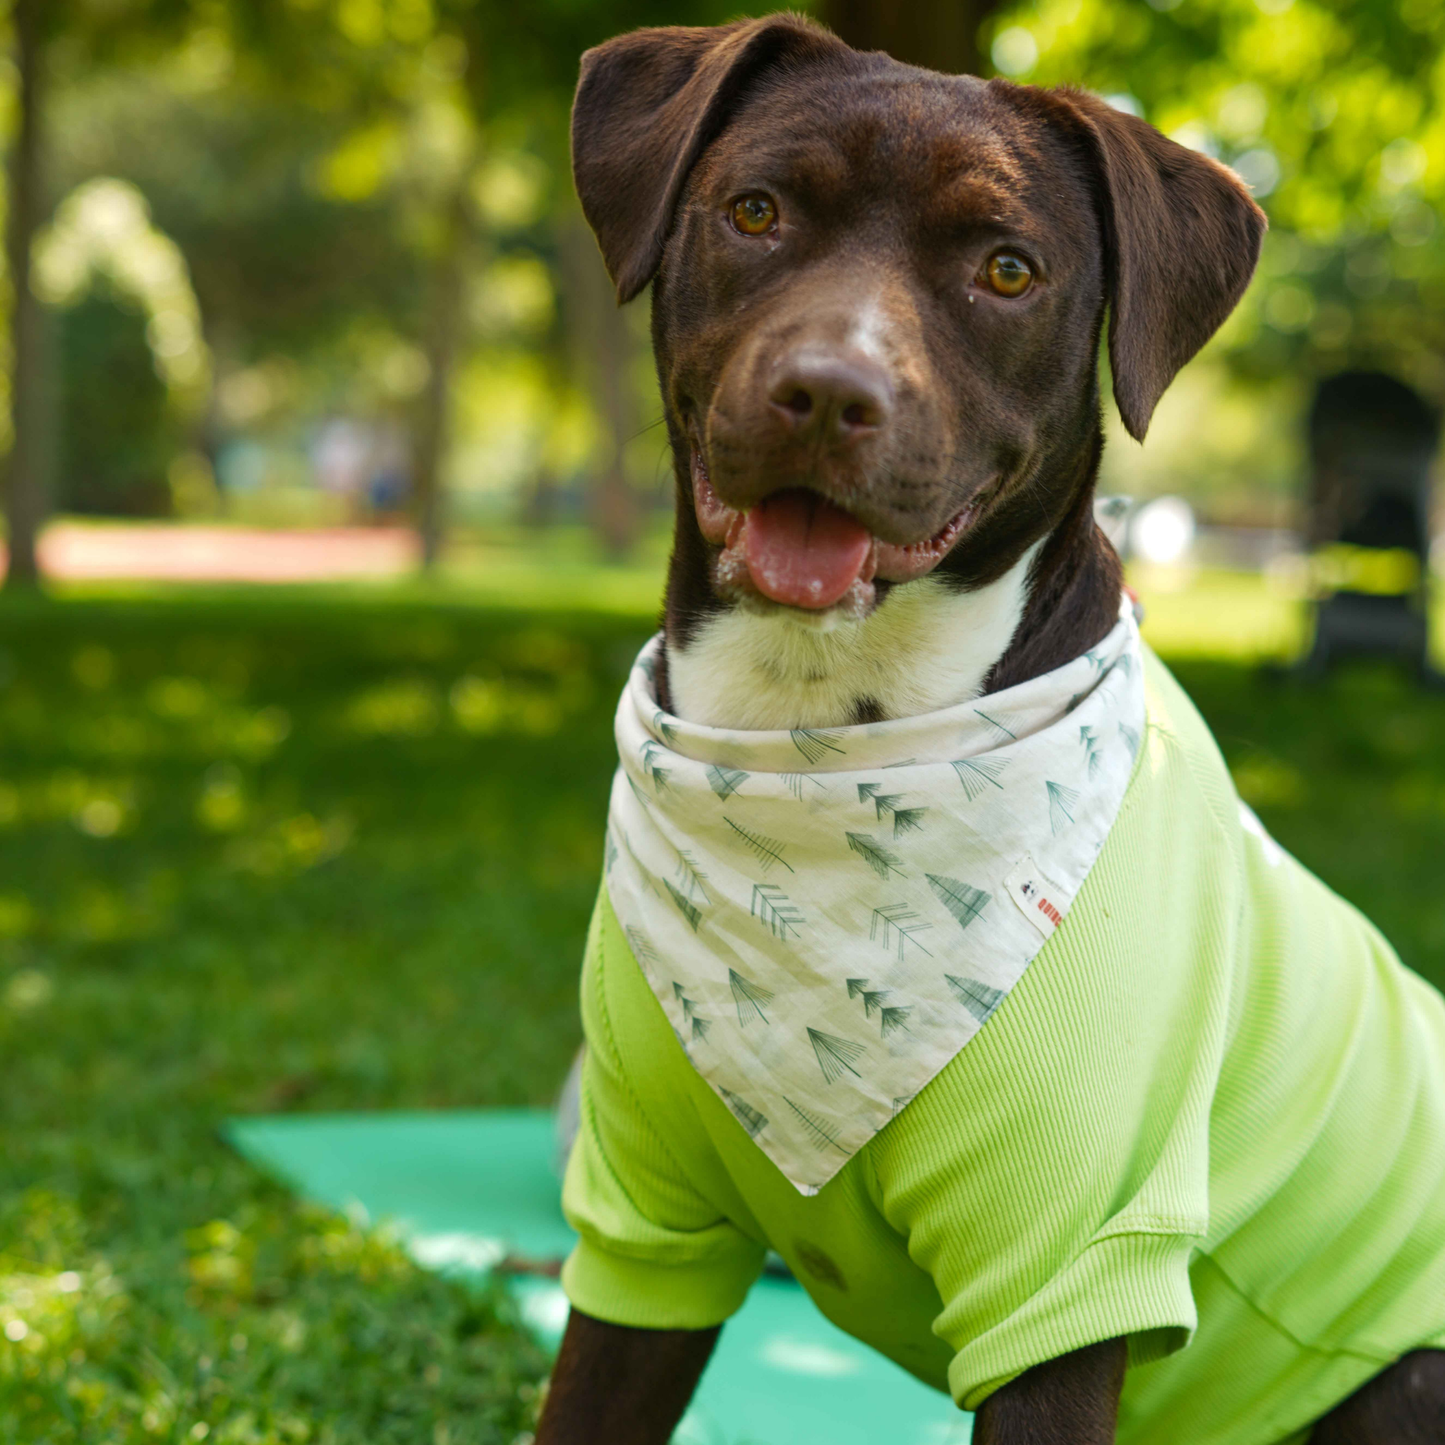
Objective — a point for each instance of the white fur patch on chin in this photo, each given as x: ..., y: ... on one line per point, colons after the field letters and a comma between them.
x: 924, y: 647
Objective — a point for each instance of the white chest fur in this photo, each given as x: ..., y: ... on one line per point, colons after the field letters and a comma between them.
x: 924, y: 647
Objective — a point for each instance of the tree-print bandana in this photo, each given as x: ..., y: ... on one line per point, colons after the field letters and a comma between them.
x: 828, y: 915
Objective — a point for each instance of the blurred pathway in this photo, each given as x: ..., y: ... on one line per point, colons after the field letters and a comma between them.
x: 78, y: 551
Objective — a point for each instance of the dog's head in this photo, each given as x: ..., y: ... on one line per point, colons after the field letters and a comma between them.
x: 878, y: 298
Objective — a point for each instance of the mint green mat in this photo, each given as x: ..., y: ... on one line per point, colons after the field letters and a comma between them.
x: 467, y: 1188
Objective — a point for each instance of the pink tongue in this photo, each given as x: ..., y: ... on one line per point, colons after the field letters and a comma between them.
x: 802, y: 550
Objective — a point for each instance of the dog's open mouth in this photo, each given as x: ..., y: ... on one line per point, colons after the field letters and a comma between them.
x: 798, y: 549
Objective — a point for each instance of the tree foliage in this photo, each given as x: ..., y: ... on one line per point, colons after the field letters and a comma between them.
x: 374, y: 204
x: 1334, y: 111
x: 114, y: 434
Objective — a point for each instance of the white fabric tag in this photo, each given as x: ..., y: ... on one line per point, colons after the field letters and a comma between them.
x: 1040, y: 901
x: 818, y: 912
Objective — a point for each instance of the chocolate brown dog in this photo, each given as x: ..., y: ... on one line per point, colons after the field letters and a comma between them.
x: 878, y: 299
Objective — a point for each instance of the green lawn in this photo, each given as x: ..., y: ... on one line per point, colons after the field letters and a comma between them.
x: 322, y: 850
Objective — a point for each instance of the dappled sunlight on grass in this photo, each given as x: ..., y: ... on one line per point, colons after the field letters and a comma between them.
x: 253, y: 1321
x: 285, y: 850
x: 246, y: 870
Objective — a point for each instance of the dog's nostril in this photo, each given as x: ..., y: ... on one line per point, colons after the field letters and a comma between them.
x: 835, y: 397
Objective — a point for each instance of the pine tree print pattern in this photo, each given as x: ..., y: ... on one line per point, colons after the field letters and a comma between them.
x: 690, y: 879
x: 1062, y: 802
x: 978, y: 998
x: 897, y: 921
x: 905, y: 820
x: 772, y: 907
x: 964, y: 902
x: 699, y: 1026
x: 873, y: 1000
x: 891, y: 1017
x: 835, y: 1055
x: 815, y: 745
x: 881, y: 860
x: 751, y: 999
x: 753, y: 1120
x: 766, y: 850
x: 685, y: 905
x: 822, y: 1134
x: 642, y: 950
x: 651, y: 752
x: 855, y: 887
x: 882, y: 802
x: 793, y: 782
x: 725, y: 781
x: 978, y: 774
x: 996, y: 725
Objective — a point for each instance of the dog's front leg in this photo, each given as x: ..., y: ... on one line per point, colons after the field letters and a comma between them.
x: 613, y: 1385
x: 1073, y: 1400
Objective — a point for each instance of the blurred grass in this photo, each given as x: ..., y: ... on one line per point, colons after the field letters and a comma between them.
x: 1233, y: 615
x: 260, y: 853
x: 335, y: 849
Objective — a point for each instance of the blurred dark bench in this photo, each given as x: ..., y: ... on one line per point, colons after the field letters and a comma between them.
x: 1372, y: 447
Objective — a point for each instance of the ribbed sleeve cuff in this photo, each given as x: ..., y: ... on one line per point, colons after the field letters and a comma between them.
x: 1128, y: 1284
x: 674, y: 1296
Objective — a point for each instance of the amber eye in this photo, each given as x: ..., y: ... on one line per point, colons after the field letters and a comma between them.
x: 754, y: 214
x: 1008, y: 274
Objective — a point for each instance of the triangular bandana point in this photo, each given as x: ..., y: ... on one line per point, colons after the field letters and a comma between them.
x: 823, y: 935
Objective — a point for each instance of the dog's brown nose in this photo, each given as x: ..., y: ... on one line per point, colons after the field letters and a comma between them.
x: 830, y: 395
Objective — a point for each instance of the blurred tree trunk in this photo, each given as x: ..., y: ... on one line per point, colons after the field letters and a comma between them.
x: 210, y: 433
x: 25, y: 491
x: 443, y: 335
x: 939, y: 34
x: 605, y: 351
x: 539, y: 505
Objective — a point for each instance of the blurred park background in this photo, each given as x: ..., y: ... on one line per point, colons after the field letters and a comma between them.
x: 337, y: 506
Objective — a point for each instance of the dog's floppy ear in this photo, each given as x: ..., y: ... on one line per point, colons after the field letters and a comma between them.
x: 647, y: 104
x: 1182, y: 236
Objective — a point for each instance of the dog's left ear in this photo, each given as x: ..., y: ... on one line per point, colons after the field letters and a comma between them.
x: 1182, y: 237
x: 647, y: 105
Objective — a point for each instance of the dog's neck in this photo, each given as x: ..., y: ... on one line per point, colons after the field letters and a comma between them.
x: 929, y: 644
x: 924, y: 647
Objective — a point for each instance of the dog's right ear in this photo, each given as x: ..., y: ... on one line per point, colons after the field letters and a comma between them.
x: 647, y: 105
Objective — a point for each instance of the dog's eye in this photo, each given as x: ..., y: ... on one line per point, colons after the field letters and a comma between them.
x: 1008, y: 274
x: 754, y: 214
